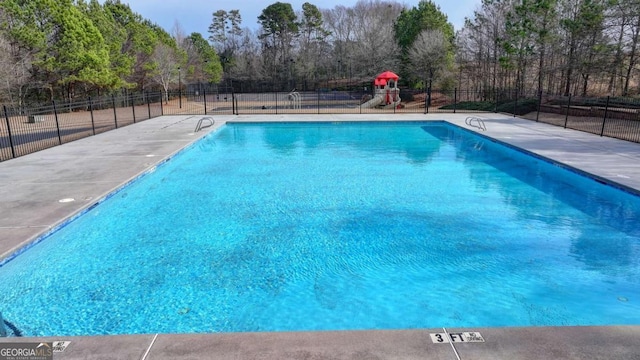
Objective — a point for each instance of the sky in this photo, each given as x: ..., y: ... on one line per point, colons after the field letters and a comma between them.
x: 196, y: 15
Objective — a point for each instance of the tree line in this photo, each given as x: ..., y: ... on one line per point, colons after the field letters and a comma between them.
x: 346, y: 45
x: 66, y: 49
x: 579, y: 47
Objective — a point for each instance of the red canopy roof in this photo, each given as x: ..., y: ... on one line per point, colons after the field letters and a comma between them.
x: 380, y: 82
x: 388, y: 75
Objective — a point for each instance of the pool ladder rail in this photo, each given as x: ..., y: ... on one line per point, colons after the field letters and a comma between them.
x: 479, y: 123
x: 201, y: 121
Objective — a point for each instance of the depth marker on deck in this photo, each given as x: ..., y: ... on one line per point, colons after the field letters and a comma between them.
x: 458, y: 337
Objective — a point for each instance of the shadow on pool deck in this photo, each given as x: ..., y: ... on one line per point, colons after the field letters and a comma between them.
x: 87, y: 170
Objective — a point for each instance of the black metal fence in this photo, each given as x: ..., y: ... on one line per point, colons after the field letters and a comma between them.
x: 611, y: 116
x: 27, y: 130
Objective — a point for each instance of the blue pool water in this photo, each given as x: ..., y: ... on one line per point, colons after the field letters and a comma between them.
x: 321, y: 226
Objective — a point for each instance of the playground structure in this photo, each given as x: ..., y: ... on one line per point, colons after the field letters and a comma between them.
x: 387, y: 94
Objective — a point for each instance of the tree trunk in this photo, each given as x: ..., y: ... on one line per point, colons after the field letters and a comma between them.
x: 618, y: 57
x: 585, y: 84
x: 541, y: 68
x: 542, y: 38
x: 632, y: 55
x: 570, y: 61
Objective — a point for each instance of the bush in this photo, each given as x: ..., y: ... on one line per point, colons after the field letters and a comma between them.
x: 524, y: 106
x: 471, y: 105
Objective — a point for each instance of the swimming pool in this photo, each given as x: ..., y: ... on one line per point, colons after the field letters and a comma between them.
x: 326, y: 226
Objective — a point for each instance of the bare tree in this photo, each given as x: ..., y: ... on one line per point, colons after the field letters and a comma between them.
x: 427, y: 55
x: 166, y: 64
x: 178, y: 33
x: 363, y: 37
x: 633, y: 52
x: 15, y: 66
x: 479, y: 46
x: 248, y: 63
x: 340, y: 22
x: 626, y: 15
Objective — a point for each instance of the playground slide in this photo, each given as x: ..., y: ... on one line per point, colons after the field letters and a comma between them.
x: 377, y: 100
x: 392, y: 105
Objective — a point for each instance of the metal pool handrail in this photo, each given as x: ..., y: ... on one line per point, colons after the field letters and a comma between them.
x: 200, y: 127
x: 294, y: 99
x: 480, y: 123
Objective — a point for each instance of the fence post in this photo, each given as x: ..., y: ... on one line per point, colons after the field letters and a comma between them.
x: 426, y: 108
x: 566, y: 116
x: 204, y: 99
x: 428, y: 99
x: 6, y: 118
x: 276, y: 103
x: 515, y: 103
x: 148, y: 105
x: 539, y: 104
x: 133, y: 107
x: 318, y: 91
x: 455, y: 99
x: 606, y: 111
x: 161, y: 106
x: 55, y: 114
x: 115, y: 116
x: 497, y: 98
x: 237, y: 109
x: 233, y: 103
x: 93, y: 124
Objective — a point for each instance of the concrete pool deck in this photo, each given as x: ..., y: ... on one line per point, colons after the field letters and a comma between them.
x: 86, y: 170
